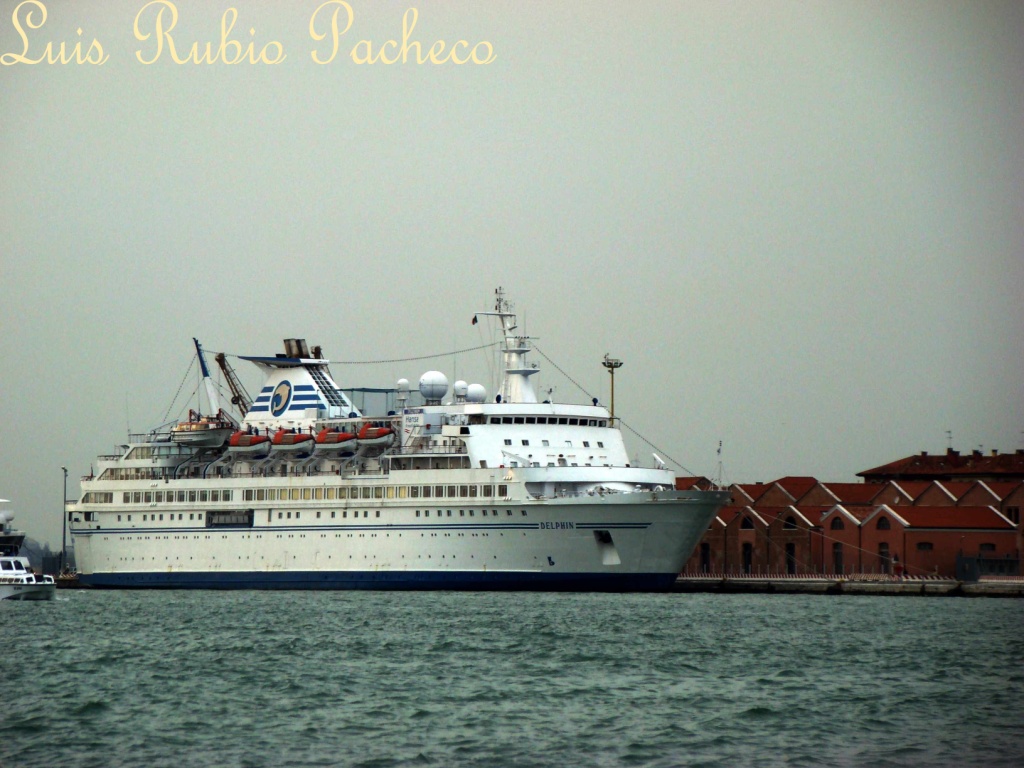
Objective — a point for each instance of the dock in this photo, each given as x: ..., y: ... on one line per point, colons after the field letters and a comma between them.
x: 856, y: 584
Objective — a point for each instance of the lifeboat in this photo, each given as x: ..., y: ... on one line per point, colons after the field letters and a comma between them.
x: 285, y: 441
x: 248, y: 444
x: 202, y: 431
x: 375, y: 437
x: 334, y: 442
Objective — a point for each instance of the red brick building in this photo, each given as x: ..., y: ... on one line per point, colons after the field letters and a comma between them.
x: 950, y: 466
x: 928, y: 540
x: 797, y: 526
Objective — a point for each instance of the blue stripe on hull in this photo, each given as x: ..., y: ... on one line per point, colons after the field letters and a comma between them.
x: 384, y: 580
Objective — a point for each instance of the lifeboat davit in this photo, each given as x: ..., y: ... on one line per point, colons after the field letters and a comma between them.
x: 375, y: 437
x: 248, y: 444
x: 285, y: 441
x: 331, y: 441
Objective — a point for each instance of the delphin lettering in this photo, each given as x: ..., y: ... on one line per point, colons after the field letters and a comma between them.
x: 557, y: 526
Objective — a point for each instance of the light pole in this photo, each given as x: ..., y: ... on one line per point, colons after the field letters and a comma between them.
x: 64, y: 522
x: 612, y: 364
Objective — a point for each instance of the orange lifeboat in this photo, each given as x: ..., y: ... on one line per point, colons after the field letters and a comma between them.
x: 370, y: 436
x: 333, y: 441
x: 294, y: 442
x: 248, y: 443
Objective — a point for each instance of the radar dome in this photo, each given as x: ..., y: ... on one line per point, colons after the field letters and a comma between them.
x: 476, y: 393
x: 433, y: 385
x: 403, y: 385
x: 459, y: 388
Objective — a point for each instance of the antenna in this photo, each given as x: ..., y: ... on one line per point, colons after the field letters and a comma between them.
x: 612, y: 364
x: 718, y: 479
x: 949, y: 438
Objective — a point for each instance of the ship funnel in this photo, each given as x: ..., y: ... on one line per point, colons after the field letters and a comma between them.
x: 296, y: 348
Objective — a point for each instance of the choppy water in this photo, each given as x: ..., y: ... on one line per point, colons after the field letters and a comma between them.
x: 509, y: 679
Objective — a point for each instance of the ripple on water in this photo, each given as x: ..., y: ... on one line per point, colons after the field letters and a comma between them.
x: 448, y: 679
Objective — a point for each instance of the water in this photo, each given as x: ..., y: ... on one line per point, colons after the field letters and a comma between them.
x: 510, y: 679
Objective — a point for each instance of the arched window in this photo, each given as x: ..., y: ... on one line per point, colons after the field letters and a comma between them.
x: 883, y: 524
x: 790, y: 524
x: 837, y: 524
x: 747, y: 524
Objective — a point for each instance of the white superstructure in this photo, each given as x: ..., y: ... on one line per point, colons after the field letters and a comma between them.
x: 457, y: 493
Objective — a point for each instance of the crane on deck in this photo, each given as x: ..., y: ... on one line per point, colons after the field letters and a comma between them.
x: 239, y: 397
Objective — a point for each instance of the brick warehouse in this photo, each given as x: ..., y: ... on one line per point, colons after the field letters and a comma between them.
x: 951, y: 527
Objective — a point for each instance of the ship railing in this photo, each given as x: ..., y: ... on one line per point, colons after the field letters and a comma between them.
x: 429, y: 450
x: 311, y: 472
x: 154, y: 436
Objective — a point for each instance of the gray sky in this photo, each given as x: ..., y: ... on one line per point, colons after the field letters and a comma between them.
x: 801, y: 225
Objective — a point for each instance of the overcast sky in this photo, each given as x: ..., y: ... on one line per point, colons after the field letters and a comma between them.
x: 801, y: 225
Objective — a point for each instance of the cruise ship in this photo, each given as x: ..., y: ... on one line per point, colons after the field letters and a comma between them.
x: 447, y: 488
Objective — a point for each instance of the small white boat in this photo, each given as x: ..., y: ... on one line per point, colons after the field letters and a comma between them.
x: 19, y: 582
x: 203, y: 431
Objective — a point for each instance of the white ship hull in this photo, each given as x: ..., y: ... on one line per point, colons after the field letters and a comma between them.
x: 618, y: 542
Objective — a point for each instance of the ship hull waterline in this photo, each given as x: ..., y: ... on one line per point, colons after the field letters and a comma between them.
x: 613, y: 545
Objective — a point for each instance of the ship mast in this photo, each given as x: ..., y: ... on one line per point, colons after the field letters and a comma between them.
x: 211, y: 391
x: 516, y: 386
